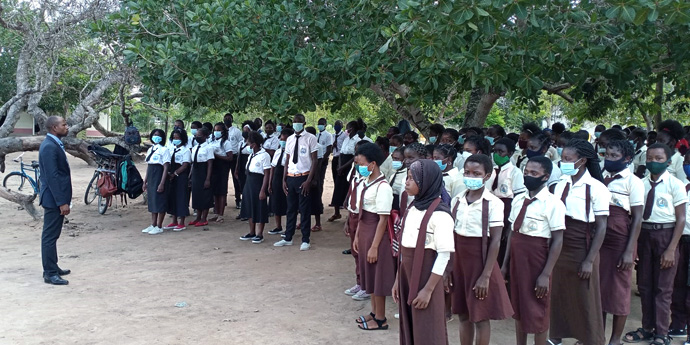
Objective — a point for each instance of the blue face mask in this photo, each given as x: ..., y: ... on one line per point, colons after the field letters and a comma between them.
x: 559, y: 150
x: 279, y: 129
x: 632, y: 142
x: 297, y: 126
x: 282, y: 144
x: 396, y: 165
x: 217, y: 134
x: 474, y: 183
x: 156, y: 139
x: 363, y: 170
x: 490, y: 139
x: 432, y: 140
x: 597, y: 134
x: 440, y: 164
x: 194, y: 131
x: 392, y: 149
x: 569, y: 168
x: 321, y: 128
x: 686, y: 168
x: 461, y: 140
x: 177, y: 142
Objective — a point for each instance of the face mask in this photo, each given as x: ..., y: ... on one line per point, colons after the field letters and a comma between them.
x: 392, y: 149
x: 298, y: 126
x: 338, y: 128
x: 398, y: 164
x: 601, y: 151
x: 500, y: 160
x: 522, y: 143
x: 228, y: 123
x: 632, y: 142
x: 321, y: 128
x: 217, y: 134
x: 432, y: 140
x: 490, y: 139
x: 474, y: 183
x: 440, y: 164
x: 282, y: 144
x: 686, y: 168
x: 177, y: 142
x: 597, y: 134
x: 615, y: 166
x: 279, y: 129
x: 569, y: 168
x: 363, y: 170
x: 200, y: 140
x: 194, y: 131
x: 559, y: 150
x: 466, y: 154
x: 533, y: 183
x: 461, y: 140
x: 531, y: 153
x: 657, y: 168
x: 156, y: 139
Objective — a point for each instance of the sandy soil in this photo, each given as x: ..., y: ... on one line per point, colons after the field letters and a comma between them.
x: 125, y: 284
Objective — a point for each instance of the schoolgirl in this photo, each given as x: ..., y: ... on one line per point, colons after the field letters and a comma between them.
x: 278, y: 199
x: 576, y: 301
x: 399, y: 176
x: 637, y: 138
x: 347, y: 155
x: 178, y: 196
x: 272, y: 140
x: 413, y: 153
x: 444, y: 156
x: 603, y: 141
x: 155, y: 182
x: 475, y: 144
x: 255, y: 203
x: 202, y: 167
x: 479, y: 292
x: 537, y: 145
x: 377, y: 266
x: 241, y: 162
x: 527, y: 132
x: 418, y: 288
x: 316, y: 193
x: 680, y: 299
x: 670, y: 133
x: 358, y: 292
x: 222, y: 154
x: 194, y: 127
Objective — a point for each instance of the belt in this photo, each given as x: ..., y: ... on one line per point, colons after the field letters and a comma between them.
x: 298, y: 175
x: 658, y: 226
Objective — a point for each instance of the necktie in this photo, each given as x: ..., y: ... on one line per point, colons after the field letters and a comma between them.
x: 249, y: 162
x: 151, y: 154
x: 565, y: 192
x: 608, y: 180
x: 172, y: 159
x: 280, y: 160
x: 495, y: 185
x: 649, y: 204
x: 294, y: 155
x: 521, y: 216
x: 196, y: 154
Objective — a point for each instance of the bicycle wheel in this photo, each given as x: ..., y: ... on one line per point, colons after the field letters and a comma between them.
x: 18, y: 182
x: 91, y: 190
x: 103, y: 204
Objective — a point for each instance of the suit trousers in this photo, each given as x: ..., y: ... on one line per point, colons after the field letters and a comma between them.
x: 52, y: 227
x: 296, y: 201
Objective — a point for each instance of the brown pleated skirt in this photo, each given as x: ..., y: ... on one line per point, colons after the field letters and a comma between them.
x: 421, y: 326
x: 576, y: 303
x: 352, y: 226
x: 615, y: 284
x: 528, y: 257
x: 467, y: 268
x: 377, y: 278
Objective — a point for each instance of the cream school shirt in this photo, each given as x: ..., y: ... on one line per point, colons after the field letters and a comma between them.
x: 202, y: 153
x: 378, y: 198
x: 182, y: 155
x: 221, y: 147
x: 627, y: 191
x: 468, y: 218
x: 686, y: 229
x: 510, y: 181
x: 258, y: 162
x: 276, y: 158
x: 575, y: 202
x: 387, y: 167
x: 439, y: 236
x: 397, y: 181
x: 543, y: 216
x: 668, y: 194
x: 454, y: 182
x: 158, y: 154
x: 640, y: 158
x: 307, y: 145
x: 676, y: 168
x: 235, y: 138
x: 348, y: 146
x: 272, y: 142
x: 356, y: 179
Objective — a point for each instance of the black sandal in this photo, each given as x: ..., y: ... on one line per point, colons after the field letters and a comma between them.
x: 665, y: 340
x: 380, y: 327
x: 635, y: 336
x: 362, y: 319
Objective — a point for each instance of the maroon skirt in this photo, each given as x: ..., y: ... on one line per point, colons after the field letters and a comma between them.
x: 467, y: 268
x: 576, y: 303
x: 352, y: 228
x: 421, y: 326
x: 378, y: 278
x: 615, y: 284
x: 528, y: 257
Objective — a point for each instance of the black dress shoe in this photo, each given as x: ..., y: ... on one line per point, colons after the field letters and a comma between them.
x: 347, y: 251
x: 62, y: 272
x: 55, y: 280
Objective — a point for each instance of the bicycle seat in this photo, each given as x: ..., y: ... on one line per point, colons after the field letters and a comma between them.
x: 34, y: 164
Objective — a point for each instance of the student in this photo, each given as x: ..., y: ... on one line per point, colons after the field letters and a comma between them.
x: 617, y: 253
x: 275, y: 189
x: 358, y: 292
x: 418, y: 288
x: 255, y: 205
x: 272, y: 140
x: 537, y: 145
x: 399, y: 176
x: 528, y: 131
x: 222, y: 153
x: 338, y: 138
x: 598, y: 129
x: 393, y: 131
x: 451, y: 137
x: 494, y: 133
x: 651, y: 138
x: 670, y: 133
x: 202, y: 167
x: 663, y: 221
x: 155, y: 182
x: 377, y: 266
x: 316, y: 193
x: 412, y: 153
x: 301, y: 155
x: 575, y: 298
x: 475, y: 144
x: 347, y: 154
x: 384, y: 145
x: 194, y: 127
x: 444, y: 156
x: 178, y: 199
x: 235, y: 138
x: 326, y: 140
x: 435, y: 132
x: 637, y: 138
x: 538, y: 220
x: 603, y: 141
x: 680, y: 300
x: 410, y: 138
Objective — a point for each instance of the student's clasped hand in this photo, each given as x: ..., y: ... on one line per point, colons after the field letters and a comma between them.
x: 542, y: 287
x: 481, y: 288
x: 372, y: 255
x: 626, y: 262
x: 585, y: 270
x: 422, y: 299
x: 668, y: 259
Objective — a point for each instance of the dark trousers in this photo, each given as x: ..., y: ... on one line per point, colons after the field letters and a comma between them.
x: 655, y: 285
x: 52, y: 227
x: 296, y: 201
x: 680, y: 300
x: 235, y: 181
x: 334, y: 167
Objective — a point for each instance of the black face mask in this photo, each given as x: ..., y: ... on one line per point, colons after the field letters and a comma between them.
x: 200, y: 140
x: 228, y: 123
x: 533, y: 183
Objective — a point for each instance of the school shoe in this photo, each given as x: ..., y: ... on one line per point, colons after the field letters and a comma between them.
x: 257, y: 239
x: 179, y: 228
x: 361, y: 295
x: 146, y: 231
x: 170, y: 226
x: 687, y: 341
x: 155, y: 231
x: 275, y: 231
x: 247, y: 237
x: 282, y: 243
x: 304, y: 246
x: 677, y: 332
x: 353, y: 290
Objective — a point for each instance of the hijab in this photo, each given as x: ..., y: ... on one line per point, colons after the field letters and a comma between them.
x: 429, y: 178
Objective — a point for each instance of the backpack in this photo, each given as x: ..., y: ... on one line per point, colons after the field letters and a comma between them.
x: 129, y: 179
x: 132, y: 136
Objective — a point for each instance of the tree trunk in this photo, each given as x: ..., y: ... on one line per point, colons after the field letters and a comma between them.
x: 25, y: 201
x: 478, y: 107
x: 659, y: 99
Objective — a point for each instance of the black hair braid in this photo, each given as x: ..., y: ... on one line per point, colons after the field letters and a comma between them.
x: 585, y: 150
x: 447, y: 151
x: 624, y: 147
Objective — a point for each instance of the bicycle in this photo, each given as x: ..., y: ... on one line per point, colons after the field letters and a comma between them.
x: 107, y: 165
x: 20, y: 181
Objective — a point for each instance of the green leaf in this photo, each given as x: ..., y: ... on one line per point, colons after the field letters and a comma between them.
x: 384, y: 47
x: 521, y: 11
x: 627, y: 14
x: 473, y: 26
x: 481, y: 12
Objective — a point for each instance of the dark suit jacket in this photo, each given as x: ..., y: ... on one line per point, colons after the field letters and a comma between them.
x: 56, y: 182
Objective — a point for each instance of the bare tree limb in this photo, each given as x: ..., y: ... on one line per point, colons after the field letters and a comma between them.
x: 16, y: 27
x: 557, y: 89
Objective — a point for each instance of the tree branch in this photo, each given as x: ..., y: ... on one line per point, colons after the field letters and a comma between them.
x: 557, y: 89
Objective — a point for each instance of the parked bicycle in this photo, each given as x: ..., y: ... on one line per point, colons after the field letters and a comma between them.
x: 20, y: 181
x: 108, y: 164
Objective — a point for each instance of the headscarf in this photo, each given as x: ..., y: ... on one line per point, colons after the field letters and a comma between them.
x: 428, y: 177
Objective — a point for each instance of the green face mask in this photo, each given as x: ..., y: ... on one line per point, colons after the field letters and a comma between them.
x: 657, y: 168
x: 500, y: 160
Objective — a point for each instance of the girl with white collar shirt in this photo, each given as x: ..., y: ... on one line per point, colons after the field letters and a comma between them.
x: 158, y: 160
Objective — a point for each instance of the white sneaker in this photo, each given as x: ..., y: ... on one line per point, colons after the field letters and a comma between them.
x: 155, y: 231
x: 146, y: 231
x: 397, y: 316
x: 282, y: 243
x: 304, y: 246
x: 353, y: 290
x: 361, y: 295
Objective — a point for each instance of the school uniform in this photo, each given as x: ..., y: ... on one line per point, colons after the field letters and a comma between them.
x: 299, y: 146
x: 680, y: 299
x: 532, y: 221
x: 386, y: 167
x: 576, y: 303
x: 656, y: 285
x: 552, y: 154
x: 156, y: 158
x: 397, y: 182
x: 236, y: 140
x: 423, y: 326
x: 518, y: 158
x: 278, y: 199
x: 245, y: 151
x: 374, y: 199
x: 347, y: 153
x: 472, y: 237
x: 324, y: 139
x: 316, y: 192
x: 338, y: 139
x: 506, y: 182
x: 453, y: 181
x: 271, y: 142
x: 640, y: 158
x: 353, y: 216
x: 676, y: 167
x: 221, y: 168
x: 627, y: 191
x: 178, y: 197
x: 555, y: 172
x: 202, y: 198
x: 252, y: 206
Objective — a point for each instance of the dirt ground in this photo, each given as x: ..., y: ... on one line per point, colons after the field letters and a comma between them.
x: 124, y: 284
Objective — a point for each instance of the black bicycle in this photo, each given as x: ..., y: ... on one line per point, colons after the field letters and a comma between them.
x: 108, y: 164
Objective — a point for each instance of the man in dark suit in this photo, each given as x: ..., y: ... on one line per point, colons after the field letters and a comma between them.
x: 55, y: 196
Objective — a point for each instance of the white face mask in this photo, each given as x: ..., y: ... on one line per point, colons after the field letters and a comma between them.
x: 466, y: 154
